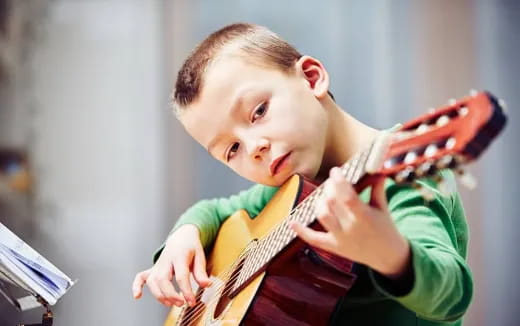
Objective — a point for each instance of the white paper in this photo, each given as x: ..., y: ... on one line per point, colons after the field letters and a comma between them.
x: 23, y: 266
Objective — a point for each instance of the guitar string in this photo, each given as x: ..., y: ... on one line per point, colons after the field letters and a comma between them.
x: 346, y: 168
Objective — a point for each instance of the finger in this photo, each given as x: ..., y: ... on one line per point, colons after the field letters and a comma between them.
x: 170, y: 295
x: 347, y: 194
x: 138, y: 284
x: 326, y: 215
x: 334, y: 201
x: 182, y: 276
x: 378, y: 195
x: 344, y: 215
x: 314, y: 238
x: 153, y: 286
x: 199, y: 268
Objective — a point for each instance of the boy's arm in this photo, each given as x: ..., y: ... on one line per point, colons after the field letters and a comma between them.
x: 208, y: 215
x: 440, y: 286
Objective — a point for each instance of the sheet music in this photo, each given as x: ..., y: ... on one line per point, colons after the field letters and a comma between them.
x: 23, y: 266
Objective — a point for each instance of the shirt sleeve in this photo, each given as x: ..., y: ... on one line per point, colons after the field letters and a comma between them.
x: 209, y: 214
x: 441, y: 286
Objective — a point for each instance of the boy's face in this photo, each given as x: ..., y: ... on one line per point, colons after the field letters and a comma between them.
x: 262, y: 123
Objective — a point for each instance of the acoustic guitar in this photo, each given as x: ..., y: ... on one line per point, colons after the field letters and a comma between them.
x: 262, y: 274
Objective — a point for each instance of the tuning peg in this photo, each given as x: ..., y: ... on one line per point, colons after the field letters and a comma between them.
x: 388, y: 163
x: 473, y: 92
x: 502, y: 104
x: 427, y: 168
x: 450, y: 143
x: 410, y: 157
x: 423, y: 127
x: 406, y: 175
x: 442, y: 121
x: 463, y: 111
x: 425, y: 192
x: 445, y: 186
x: 431, y: 150
x: 447, y: 161
x: 467, y: 179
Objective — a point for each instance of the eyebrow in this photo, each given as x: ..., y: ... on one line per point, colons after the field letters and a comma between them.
x: 235, y: 106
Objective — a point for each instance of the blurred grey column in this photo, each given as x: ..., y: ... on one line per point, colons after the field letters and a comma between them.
x: 99, y: 154
x: 497, y: 49
x: 474, y: 44
x: 178, y: 41
x: 444, y: 67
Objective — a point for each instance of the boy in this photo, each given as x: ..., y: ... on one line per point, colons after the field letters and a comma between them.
x: 265, y: 111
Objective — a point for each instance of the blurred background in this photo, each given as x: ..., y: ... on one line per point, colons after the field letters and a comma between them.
x: 95, y: 169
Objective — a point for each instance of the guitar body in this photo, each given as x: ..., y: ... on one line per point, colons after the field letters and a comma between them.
x: 296, y: 288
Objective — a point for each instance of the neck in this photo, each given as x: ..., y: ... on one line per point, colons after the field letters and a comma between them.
x: 346, y: 136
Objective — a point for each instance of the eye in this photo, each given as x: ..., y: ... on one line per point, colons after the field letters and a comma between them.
x: 232, y: 151
x: 259, y: 112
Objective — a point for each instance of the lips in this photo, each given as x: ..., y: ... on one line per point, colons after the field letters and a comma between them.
x: 274, y: 166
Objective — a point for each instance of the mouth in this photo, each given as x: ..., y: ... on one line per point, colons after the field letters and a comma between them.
x: 278, y: 163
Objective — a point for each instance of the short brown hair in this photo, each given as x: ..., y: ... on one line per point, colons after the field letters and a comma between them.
x: 257, y: 42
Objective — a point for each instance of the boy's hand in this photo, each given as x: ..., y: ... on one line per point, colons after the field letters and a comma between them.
x: 182, y: 255
x: 363, y: 233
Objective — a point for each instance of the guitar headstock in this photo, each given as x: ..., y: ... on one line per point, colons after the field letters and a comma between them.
x: 444, y: 138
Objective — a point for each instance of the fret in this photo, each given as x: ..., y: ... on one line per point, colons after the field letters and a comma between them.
x: 245, y: 272
x: 360, y: 167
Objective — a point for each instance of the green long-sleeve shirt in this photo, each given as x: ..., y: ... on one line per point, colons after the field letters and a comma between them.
x: 441, y: 288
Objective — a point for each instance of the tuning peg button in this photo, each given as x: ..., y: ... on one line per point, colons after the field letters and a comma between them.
x: 442, y: 121
x: 447, y: 186
x: 502, y: 104
x: 451, y: 142
x: 425, y: 192
x: 447, y: 161
x: 423, y: 127
x: 407, y: 175
x: 463, y: 111
x: 427, y: 168
x: 467, y: 179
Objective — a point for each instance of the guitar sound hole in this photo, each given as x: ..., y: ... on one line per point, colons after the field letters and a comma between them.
x: 225, y: 299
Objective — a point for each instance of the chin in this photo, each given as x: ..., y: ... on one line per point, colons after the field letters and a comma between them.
x: 308, y: 173
x: 276, y: 181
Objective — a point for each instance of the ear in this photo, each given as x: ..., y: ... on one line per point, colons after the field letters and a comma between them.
x: 315, y: 74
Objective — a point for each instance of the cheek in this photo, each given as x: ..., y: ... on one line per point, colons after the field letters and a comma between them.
x: 244, y: 170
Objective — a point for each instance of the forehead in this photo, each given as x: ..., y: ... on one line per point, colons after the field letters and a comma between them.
x: 227, y: 79
x: 229, y: 73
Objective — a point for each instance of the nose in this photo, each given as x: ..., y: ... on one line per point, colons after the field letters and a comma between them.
x: 258, y: 148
